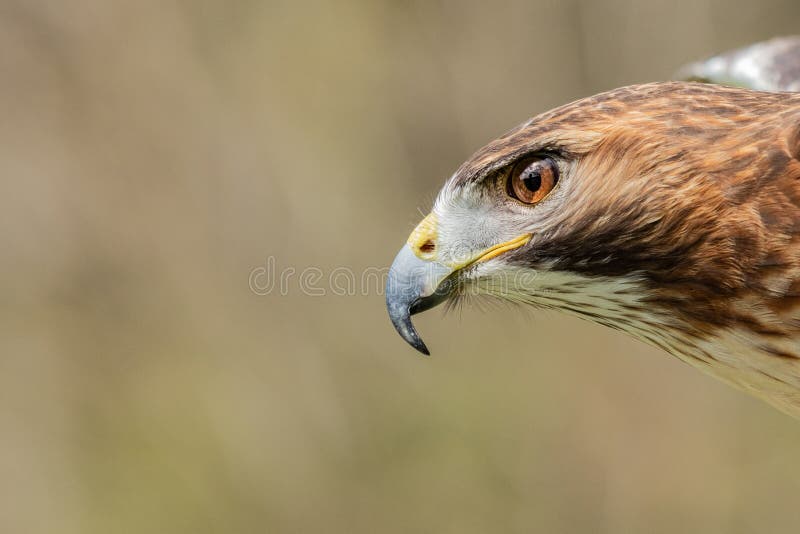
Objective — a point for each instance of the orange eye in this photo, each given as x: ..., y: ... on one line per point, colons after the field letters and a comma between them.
x: 532, y: 179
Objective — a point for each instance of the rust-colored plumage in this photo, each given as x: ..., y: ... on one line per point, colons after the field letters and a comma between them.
x: 693, y: 190
x: 676, y: 219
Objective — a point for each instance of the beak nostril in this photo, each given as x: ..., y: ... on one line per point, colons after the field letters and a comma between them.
x: 423, y: 239
x: 427, y: 247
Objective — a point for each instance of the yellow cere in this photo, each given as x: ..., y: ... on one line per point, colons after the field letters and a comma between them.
x: 423, y: 242
x: 423, y: 239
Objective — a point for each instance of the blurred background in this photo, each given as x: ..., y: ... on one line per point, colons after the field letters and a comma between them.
x: 155, y: 154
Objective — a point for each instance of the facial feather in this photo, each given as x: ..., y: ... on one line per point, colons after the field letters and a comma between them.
x: 677, y: 219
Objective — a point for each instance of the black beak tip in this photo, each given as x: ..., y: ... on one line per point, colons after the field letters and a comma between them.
x: 415, y: 341
x: 422, y: 348
x: 401, y: 319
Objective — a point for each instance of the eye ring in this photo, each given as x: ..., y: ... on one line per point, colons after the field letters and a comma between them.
x: 532, y: 179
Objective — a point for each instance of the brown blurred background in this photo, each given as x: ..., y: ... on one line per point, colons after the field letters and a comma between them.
x: 154, y: 153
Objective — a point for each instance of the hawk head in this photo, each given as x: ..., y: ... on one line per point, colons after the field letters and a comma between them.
x: 667, y: 210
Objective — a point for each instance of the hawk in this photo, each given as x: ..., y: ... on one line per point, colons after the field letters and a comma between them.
x: 669, y: 211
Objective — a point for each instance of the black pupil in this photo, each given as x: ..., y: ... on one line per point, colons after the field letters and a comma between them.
x: 532, y: 181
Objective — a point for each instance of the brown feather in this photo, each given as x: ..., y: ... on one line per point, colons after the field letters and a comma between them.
x: 694, y: 190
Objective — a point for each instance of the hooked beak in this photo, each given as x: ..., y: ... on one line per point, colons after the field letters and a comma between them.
x: 418, y: 282
x: 413, y: 286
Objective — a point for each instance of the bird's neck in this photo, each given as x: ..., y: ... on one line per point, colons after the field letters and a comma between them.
x: 763, y: 362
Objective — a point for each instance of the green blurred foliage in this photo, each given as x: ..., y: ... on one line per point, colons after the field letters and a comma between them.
x: 154, y: 153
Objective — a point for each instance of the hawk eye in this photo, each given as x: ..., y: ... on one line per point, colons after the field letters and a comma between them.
x: 532, y: 179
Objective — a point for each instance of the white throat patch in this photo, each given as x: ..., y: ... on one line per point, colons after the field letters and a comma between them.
x: 736, y: 357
